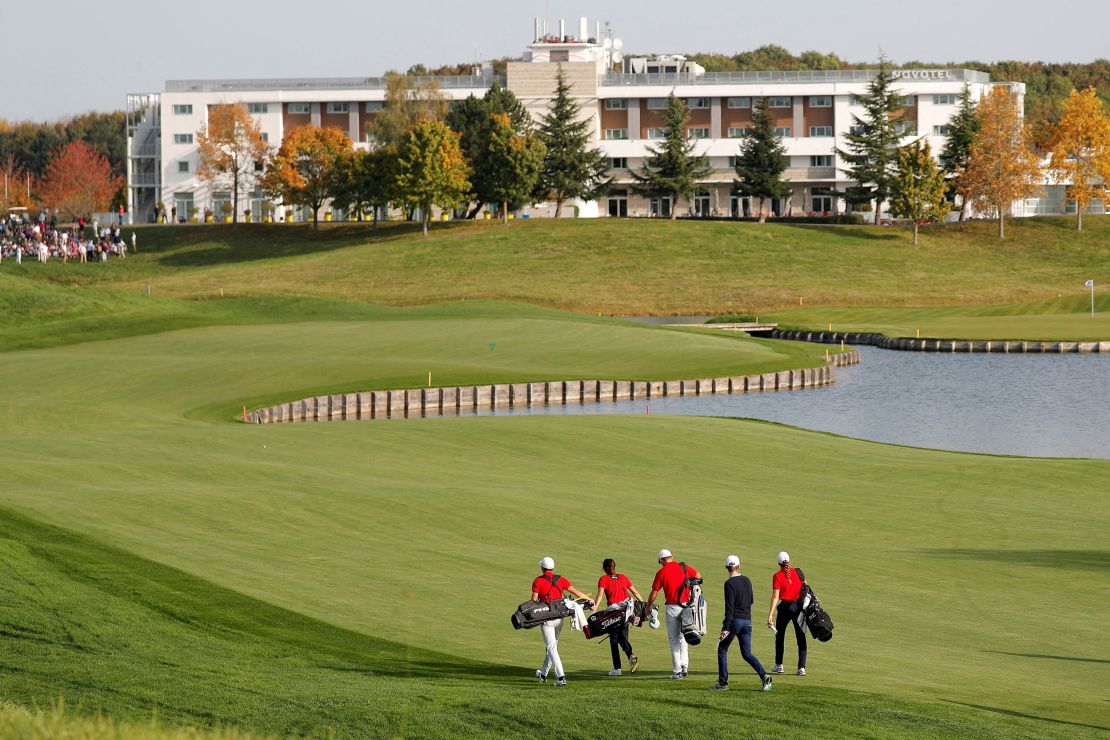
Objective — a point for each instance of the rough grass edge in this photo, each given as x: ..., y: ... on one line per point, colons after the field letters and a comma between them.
x: 30, y: 723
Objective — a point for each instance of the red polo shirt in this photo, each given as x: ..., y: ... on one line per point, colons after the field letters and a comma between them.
x: 615, y: 587
x: 672, y: 581
x: 789, y: 584
x: 544, y: 589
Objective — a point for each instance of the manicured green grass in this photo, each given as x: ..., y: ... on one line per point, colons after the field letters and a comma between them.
x: 1057, y: 319
x: 612, y: 267
x: 359, y: 576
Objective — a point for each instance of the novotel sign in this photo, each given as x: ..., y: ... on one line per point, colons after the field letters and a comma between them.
x: 923, y: 74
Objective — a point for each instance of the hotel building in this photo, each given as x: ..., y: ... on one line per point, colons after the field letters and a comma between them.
x: 623, y: 98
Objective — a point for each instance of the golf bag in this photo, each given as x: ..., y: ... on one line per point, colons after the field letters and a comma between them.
x: 534, y: 613
x: 642, y: 615
x: 694, y: 611
x: 610, y: 620
x: 811, y: 615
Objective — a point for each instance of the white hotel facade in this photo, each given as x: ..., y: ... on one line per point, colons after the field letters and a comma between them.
x: 812, y: 110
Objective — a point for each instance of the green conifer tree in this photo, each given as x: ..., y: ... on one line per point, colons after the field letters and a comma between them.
x: 962, y: 128
x: 671, y: 168
x: 761, y: 161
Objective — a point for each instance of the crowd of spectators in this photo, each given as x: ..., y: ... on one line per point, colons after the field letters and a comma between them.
x: 43, y: 239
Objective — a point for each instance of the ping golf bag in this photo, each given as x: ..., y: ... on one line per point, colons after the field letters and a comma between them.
x: 534, y: 613
x: 811, y: 615
x: 610, y: 620
x: 694, y: 611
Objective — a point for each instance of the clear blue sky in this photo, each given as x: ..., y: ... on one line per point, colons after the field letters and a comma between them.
x: 62, y: 57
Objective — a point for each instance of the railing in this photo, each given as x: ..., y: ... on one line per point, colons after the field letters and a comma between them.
x: 621, y: 79
x: 143, y: 178
x: 327, y: 83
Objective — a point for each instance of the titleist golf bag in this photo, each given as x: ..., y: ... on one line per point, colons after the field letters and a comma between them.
x: 811, y: 615
x: 694, y: 611
x: 610, y: 620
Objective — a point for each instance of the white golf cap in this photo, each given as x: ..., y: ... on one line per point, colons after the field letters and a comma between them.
x: 547, y: 564
x: 732, y: 561
x: 664, y: 553
x: 784, y: 557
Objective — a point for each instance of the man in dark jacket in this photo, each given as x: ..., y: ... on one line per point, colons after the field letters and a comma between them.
x: 738, y: 624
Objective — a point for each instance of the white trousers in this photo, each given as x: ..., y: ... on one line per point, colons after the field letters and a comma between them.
x: 551, y: 631
x: 680, y: 654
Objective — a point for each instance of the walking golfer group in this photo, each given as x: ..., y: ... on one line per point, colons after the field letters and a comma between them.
x: 672, y: 579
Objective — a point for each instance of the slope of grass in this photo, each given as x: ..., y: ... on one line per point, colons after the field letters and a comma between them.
x: 612, y: 267
x: 58, y: 722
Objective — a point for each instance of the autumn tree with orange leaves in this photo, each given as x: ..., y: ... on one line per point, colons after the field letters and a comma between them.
x: 307, y: 169
x: 78, y: 181
x: 231, y: 150
x: 1001, y: 166
x: 431, y: 169
x: 1081, y: 150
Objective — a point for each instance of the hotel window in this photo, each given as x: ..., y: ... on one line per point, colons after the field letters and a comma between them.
x: 737, y: 132
x: 821, y: 160
x: 657, y: 133
x: 821, y: 201
x: 614, y: 134
x: 182, y: 138
x: 374, y: 106
x: 339, y: 107
x: 856, y: 130
x: 856, y: 100
x: 904, y: 128
x: 944, y: 100
x: 733, y: 161
x: 697, y: 132
x: 697, y: 103
x: 257, y: 107
x: 783, y: 131
x: 182, y: 166
x: 619, y: 163
x: 909, y: 101
x: 183, y: 109
x: 779, y: 102
x: 265, y: 137
x: 739, y: 102
x: 299, y: 109
x: 616, y: 103
x: 657, y: 103
x: 820, y: 130
x: 820, y: 101
x: 942, y: 130
x: 560, y: 55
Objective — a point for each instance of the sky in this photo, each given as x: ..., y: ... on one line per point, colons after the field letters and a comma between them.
x: 65, y: 57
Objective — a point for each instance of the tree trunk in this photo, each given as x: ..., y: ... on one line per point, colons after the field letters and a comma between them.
x: 878, y: 210
x: 915, y: 232
x: 424, y: 221
x: 1078, y: 216
x: 474, y: 212
x: 558, y: 207
x: 315, y: 218
x: 505, y: 212
x: 235, y: 198
x: 1001, y: 224
x: 762, y: 211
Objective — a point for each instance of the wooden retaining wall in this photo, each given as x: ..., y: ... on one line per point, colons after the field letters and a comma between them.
x: 454, y: 400
x: 913, y: 344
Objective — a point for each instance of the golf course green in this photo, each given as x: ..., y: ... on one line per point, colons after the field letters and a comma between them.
x: 160, y: 559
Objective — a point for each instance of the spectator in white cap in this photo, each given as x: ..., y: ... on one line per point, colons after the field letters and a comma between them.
x: 737, y: 624
x: 786, y: 587
x: 550, y: 587
x: 672, y: 578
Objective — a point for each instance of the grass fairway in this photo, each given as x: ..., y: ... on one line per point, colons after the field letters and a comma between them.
x: 357, y: 577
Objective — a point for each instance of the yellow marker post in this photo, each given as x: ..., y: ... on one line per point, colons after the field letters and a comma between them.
x: 429, y: 378
x: 830, y: 327
x: 919, y: 334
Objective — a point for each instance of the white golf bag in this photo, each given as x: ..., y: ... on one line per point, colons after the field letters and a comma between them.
x: 694, y: 614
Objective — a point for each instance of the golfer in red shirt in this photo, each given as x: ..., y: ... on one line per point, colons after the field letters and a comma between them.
x: 616, y: 588
x: 672, y: 581
x: 550, y: 587
x: 786, y: 587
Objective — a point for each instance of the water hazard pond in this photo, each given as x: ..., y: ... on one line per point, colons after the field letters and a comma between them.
x: 1050, y: 405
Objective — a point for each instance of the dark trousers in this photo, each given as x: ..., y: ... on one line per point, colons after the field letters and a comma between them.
x: 619, y: 641
x: 783, y: 617
x: 741, y: 629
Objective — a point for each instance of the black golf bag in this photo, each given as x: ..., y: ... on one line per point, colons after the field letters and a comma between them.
x: 812, y: 616
x: 610, y: 620
x: 534, y: 613
x: 641, y: 615
x: 694, y: 611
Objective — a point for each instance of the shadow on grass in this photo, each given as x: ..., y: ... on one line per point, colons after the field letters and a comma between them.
x: 1086, y: 559
x: 868, y: 232
x: 1050, y: 657
x: 1023, y: 715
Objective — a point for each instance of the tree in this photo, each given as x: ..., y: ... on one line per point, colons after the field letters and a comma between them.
x: 431, y: 169
x: 231, y: 149
x: 1081, y: 150
x: 918, y: 190
x: 78, y: 181
x: 671, y: 167
x: 472, y: 119
x: 305, y: 171
x: 957, y: 146
x: 407, y: 103
x: 872, y: 142
x: 761, y: 161
x: 367, y: 180
x: 571, y: 168
x: 1001, y: 166
x: 511, y: 166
